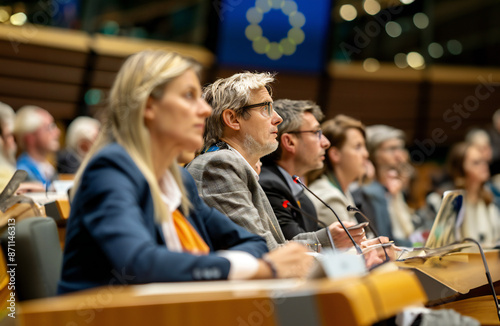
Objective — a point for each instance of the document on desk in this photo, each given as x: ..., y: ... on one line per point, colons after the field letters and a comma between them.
x: 217, y: 286
x: 409, y: 254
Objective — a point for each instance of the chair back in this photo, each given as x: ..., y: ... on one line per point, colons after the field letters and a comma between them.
x: 38, y: 256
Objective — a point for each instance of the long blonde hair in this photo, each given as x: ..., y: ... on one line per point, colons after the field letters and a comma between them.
x: 143, y: 74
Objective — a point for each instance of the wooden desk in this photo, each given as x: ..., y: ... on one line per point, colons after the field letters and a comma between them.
x: 355, y: 301
x: 458, y: 281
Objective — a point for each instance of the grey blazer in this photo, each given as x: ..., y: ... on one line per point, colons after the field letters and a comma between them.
x: 227, y: 182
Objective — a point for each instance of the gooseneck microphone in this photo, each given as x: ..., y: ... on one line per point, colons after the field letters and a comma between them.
x: 297, y: 180
x: 357, y: 210
x: 287, y: 204
x: 487, y: 272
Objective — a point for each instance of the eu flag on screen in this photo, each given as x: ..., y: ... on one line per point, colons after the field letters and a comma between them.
x: 273, y: 34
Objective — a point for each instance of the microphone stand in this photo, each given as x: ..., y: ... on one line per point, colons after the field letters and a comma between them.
x: 286, y: 204
x: 355, y: 209
x: 487, y: 272
x: 297, y: 180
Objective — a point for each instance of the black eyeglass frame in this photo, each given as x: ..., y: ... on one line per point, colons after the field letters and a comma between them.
x: 268, y: 105
x: 318, y: 132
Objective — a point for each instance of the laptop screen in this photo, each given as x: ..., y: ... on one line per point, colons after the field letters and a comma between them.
x: 446, y: 227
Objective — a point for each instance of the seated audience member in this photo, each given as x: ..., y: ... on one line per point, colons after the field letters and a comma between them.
x: 345, y: 163
x: 494, y: 133
x: 38, y: 137
x: 242, y: 128
x: 382, y: 200
x: 8, y: 153
x: 301, y: 150
x: 136, y: 213
x: 469, y: 171
x: 480, y: 139
x: 80, y: 136
x: 8, y: 144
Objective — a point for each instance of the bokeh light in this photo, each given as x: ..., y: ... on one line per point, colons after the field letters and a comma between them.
x: 435, y: 50
x: 415, y: 60
x: 393, y: 29
x: 371, y: 65
x: 348, y: 12
x: 421, y: 20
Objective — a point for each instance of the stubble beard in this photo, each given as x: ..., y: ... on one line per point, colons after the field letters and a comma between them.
x: 252, y: 146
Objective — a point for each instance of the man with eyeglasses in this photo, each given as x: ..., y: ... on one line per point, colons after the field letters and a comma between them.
x: 38, y: 137
x: 242, y: 128
x: 301, y: 150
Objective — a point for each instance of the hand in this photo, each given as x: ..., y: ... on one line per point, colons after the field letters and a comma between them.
x: 340, y: 237
x: 390, y: 250
x: 372, y: 258
x: 391, y: 179
x: 291, y: 260
x: 30, y: 187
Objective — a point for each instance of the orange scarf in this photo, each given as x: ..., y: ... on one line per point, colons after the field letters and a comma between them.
x: 190, y: 240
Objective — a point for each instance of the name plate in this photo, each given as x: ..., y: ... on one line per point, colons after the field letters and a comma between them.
x: 338, y: 265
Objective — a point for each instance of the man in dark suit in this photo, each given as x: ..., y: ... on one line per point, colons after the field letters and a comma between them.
x: 301, y: 150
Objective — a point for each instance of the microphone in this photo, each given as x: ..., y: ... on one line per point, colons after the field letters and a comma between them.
x: 287, y: 204
x: 297, y: 180
x: 355, y: 209
x: 487, y: 272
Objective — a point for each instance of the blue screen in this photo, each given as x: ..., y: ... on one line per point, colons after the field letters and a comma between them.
x: 273, y: 34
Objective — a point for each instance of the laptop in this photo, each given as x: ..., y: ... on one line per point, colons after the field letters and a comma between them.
x: 445, y: 230
x: 446, y: 227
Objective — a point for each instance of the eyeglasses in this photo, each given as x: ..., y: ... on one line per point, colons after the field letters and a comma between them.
x: 267, y: 108
x: 318, y: 132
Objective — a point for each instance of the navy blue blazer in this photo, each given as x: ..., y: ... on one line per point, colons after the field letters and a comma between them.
x: 112, y: 237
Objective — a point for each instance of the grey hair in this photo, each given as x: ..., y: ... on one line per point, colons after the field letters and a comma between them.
x: 27, y: 121
x: 496, y: 116
x: 7, y: 115
x: 231, y: 93
x: 292, y: 113
x: 477, y: 136
x: 82, y: 128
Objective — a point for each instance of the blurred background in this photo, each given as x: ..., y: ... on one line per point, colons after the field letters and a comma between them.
x: 428, y: 67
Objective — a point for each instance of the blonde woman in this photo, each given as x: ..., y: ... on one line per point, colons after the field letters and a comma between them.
x: 136, y: 216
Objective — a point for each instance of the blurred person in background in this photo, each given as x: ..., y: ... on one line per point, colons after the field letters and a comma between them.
x: 38, y: 138
x: 494, y: 133
x: 8, y: 144
x: 8, y: 152
x: 481, y: 140
x: 469, y: 170
x: 383, y: 200
x: 80, y: 136
x: 345, y: 163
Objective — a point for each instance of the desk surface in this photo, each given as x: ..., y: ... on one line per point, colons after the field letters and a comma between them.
x: 353, y: 301
x: 463, y: 274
